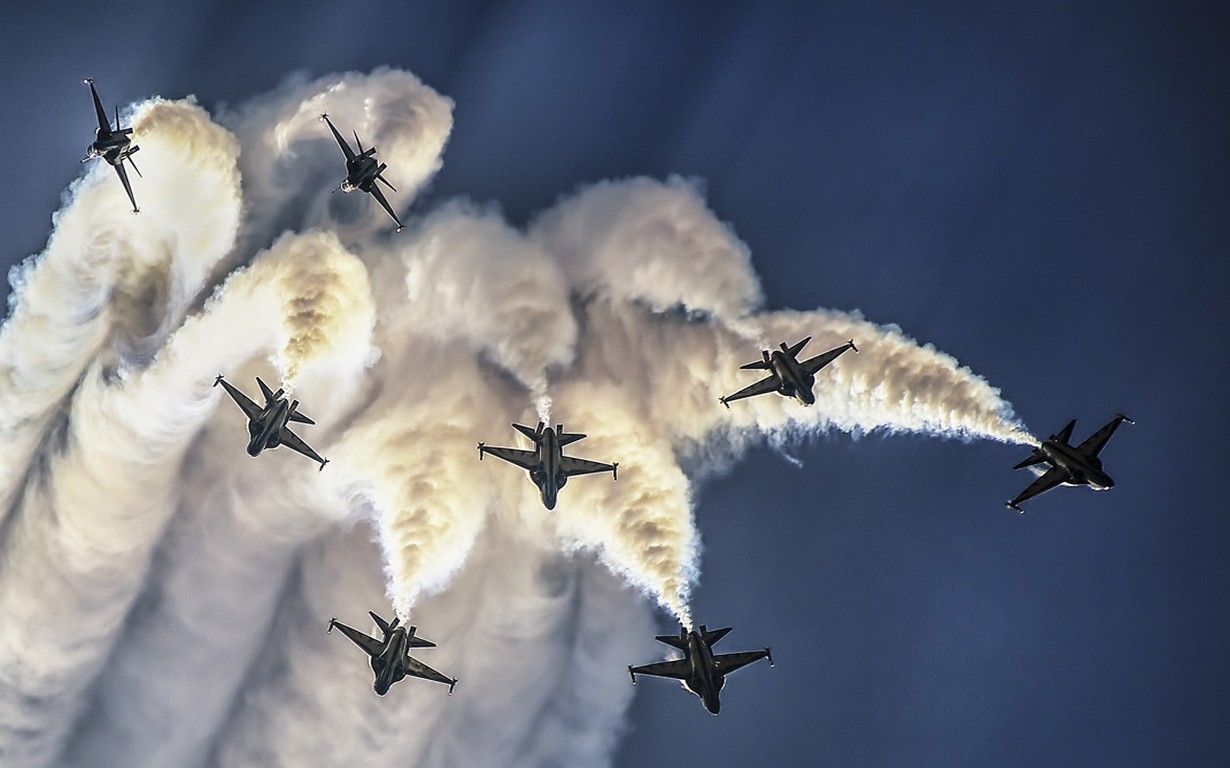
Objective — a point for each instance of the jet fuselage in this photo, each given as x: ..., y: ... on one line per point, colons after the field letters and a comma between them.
x: 265, y: 430
x: 793, y: 381
x: 703, y: 677
x: 388, y: 665
x: 111, y: 147
x: 1080, y: 470
x: 547, y: 475
x: 361, y: 173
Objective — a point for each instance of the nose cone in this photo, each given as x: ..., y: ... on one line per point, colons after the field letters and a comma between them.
x: 381, y: 687
x: 713, y: 705
x: 254, y: 447
x: 549, y: 498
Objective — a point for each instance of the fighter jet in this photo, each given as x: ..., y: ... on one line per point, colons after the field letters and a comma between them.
x: 363, y: 171
x: 1070, y: 465
x: 267, y: 424
x: 700, y: 670
x: 549, y: 468
x: 787, y: 376
x: 391, y: 660
x: 113, y: 145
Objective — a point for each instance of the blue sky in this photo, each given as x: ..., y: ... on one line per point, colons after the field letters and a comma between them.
x: 1036, y: 189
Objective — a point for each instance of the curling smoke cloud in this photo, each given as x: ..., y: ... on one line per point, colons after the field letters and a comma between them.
x: 165, y: 595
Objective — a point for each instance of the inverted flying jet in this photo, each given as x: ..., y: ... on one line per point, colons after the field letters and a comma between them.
x: 549, y: 468
x: 700, y: 670
x: 787, y: 376
x: 113, y: 145
x: 391, y: 660
x: 267, y: 424
x: 1070, y: 465
x: 363, y: 171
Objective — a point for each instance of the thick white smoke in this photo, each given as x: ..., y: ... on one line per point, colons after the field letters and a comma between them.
x: 165, y: 596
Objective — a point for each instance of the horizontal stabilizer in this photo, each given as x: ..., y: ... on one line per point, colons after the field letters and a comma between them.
x: 265, y: 390
x: 675, y: 641
x: 1037, y: 457
x: 1065, y: 435
x: 418, y: 642
x: 711, y: 636
x: 796, y: 349
x: 533, y: 434
x: 299, y: 417
x: 384, y: 625
x: 566, y: 438
x: 764, y: 364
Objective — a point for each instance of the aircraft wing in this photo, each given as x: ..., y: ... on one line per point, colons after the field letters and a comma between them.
x: 571, y: 466
x: 251, y: 409
x: 523, y: 459
x: 119, y: 168
x: 762, y: 387
x: 729, y: 662
x: 416, y: 668
x: 104, y: 125
x: 376, y: 193
x: 370, y: 645
x: 814, y: 364
x: 1094, y: 443
x: 295, y: 443
x: 1046, y: 481
x: 340, y: 141
x: 677, y: 669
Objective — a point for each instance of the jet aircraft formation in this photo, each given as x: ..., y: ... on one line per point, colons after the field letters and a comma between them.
x: 701, y: 670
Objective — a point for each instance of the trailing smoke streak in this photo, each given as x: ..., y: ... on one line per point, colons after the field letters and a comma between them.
x: 100, y: 265
x: 625, y: 311
x: 112, y: 491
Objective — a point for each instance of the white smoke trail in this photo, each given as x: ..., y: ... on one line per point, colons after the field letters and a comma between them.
x: 624, y: 311
x: 101, y: 505
x: 103, y: 265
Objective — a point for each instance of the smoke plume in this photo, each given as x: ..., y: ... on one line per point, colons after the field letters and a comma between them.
x: 165, y: 596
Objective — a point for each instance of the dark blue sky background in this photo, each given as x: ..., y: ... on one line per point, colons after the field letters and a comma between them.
x: 1038, y: 189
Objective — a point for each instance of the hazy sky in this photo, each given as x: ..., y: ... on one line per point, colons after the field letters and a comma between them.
x: 1035, y: 189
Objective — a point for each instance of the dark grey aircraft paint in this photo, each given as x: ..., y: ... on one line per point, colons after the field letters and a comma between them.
x: 787, y: 376
x: 363, y: 171
x: 267, y: 424
x: 700, y: 670
x: 549, y: 468
x: 113, y: 145
x: 390, y: 657
x: 1070, y: 465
